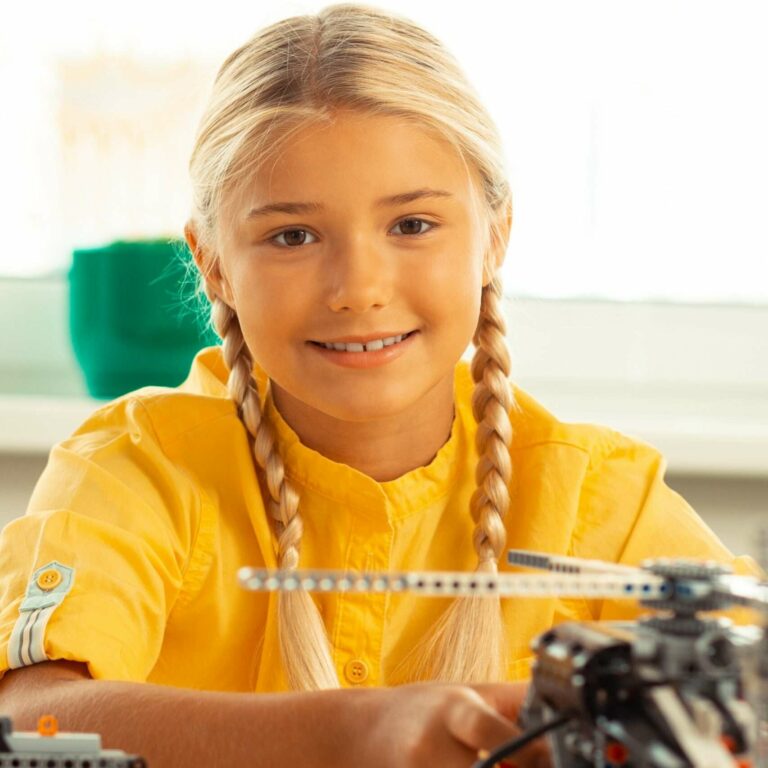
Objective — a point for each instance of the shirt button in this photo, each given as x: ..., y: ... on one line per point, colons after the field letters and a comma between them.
x: 49, y: 579
x: 356, y: 671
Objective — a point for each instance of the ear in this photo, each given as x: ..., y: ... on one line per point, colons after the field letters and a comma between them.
x: 216, y: 283
x: 497, y: 247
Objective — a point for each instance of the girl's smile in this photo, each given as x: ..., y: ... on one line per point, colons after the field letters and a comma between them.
x: 379, y: 350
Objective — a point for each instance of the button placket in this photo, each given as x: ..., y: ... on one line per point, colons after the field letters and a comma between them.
x: 362, y: 614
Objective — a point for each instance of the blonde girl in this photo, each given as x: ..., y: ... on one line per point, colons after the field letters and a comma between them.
x: 351, y: 215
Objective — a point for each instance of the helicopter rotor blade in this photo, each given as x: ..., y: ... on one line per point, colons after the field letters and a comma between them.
x: 563, y: 564
x: 743, y: 590
x: 453, y: 583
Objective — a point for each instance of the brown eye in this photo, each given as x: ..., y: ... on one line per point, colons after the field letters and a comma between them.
x: 291, y: 237
x: 409, y: 225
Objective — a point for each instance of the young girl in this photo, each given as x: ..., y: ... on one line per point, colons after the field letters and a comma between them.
x: 351, y: 214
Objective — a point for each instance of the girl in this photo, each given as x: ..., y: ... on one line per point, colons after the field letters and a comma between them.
x: 351, y: 213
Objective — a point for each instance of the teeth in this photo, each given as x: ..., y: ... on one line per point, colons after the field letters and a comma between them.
x: 370, y: 346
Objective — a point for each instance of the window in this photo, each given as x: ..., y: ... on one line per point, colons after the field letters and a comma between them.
x: 634, y: 134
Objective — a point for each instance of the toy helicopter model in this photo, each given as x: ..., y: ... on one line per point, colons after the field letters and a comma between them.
x: 675, y: 689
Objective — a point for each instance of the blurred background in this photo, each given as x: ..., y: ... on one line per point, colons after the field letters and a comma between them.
x: 637, y: 269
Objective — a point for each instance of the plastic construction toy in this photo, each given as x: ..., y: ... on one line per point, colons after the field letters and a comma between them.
x: 48, y: 748
x: 675, y: 689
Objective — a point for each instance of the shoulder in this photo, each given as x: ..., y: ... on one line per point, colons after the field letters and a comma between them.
x: 543, y: 445
x: 621, y: 507
x: 614, y: 471
x: 596, y: 448
x: 153, y: 448
x: 571, y: 477
x: 160, y: 415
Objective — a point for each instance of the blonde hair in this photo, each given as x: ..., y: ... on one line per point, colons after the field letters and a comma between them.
x: 294, y: 73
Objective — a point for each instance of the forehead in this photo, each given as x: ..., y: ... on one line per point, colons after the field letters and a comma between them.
x: 359, y: 158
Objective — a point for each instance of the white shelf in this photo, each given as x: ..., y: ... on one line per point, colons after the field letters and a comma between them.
x: 698, y: 438
x: 33, y: 424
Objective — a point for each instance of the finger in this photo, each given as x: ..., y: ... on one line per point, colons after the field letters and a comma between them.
x: 477, y: 724
x: 506, y: 698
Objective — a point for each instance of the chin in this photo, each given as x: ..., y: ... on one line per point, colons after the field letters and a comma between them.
x: 364, y: 409
x: 364, y: 413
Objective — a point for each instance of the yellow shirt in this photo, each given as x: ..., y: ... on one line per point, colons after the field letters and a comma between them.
x: 150, y: 508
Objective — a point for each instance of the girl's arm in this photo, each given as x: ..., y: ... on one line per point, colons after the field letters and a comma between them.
x: 179, y: 726
x: 411, y: 726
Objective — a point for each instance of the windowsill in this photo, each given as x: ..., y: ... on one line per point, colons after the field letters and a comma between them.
x: 33, y: 424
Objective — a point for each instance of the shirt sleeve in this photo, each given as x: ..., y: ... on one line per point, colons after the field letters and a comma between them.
x: 627, y: 513
x: 92, y: 569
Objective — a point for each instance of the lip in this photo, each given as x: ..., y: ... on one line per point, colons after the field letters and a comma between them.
x: 366, y: 359
x: 363, y: 339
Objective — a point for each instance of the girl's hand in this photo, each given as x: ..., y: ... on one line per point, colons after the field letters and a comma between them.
x: 438, y: 725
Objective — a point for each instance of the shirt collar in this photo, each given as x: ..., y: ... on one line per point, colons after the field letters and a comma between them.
x: 405, y: 495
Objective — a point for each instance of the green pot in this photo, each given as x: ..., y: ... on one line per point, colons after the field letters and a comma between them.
x: 129, y: 322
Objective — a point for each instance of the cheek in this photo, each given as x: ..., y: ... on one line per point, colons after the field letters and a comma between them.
x: 269, y: 310
x: 452, y: 286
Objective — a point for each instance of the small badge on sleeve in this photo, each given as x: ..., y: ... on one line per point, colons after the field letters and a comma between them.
x: 46, y: 590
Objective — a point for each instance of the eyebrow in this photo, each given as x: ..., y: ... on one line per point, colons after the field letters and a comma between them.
x: 400, y: 199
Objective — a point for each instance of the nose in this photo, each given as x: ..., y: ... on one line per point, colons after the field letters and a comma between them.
x: 360, y: 275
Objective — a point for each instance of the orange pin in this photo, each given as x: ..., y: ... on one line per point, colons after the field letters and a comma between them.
x: 48, y: 725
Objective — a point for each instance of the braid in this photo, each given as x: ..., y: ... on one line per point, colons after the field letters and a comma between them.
x: 491, y: 401
x: 468, y: 642
x: 304, y: 646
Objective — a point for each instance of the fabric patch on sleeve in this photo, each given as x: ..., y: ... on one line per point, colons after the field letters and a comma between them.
x: 47, y: 589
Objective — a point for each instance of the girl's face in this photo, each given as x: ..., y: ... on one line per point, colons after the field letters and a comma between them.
x: 352, y: 264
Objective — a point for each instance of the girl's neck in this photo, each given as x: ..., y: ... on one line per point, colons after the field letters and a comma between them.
x: 384, y: 449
